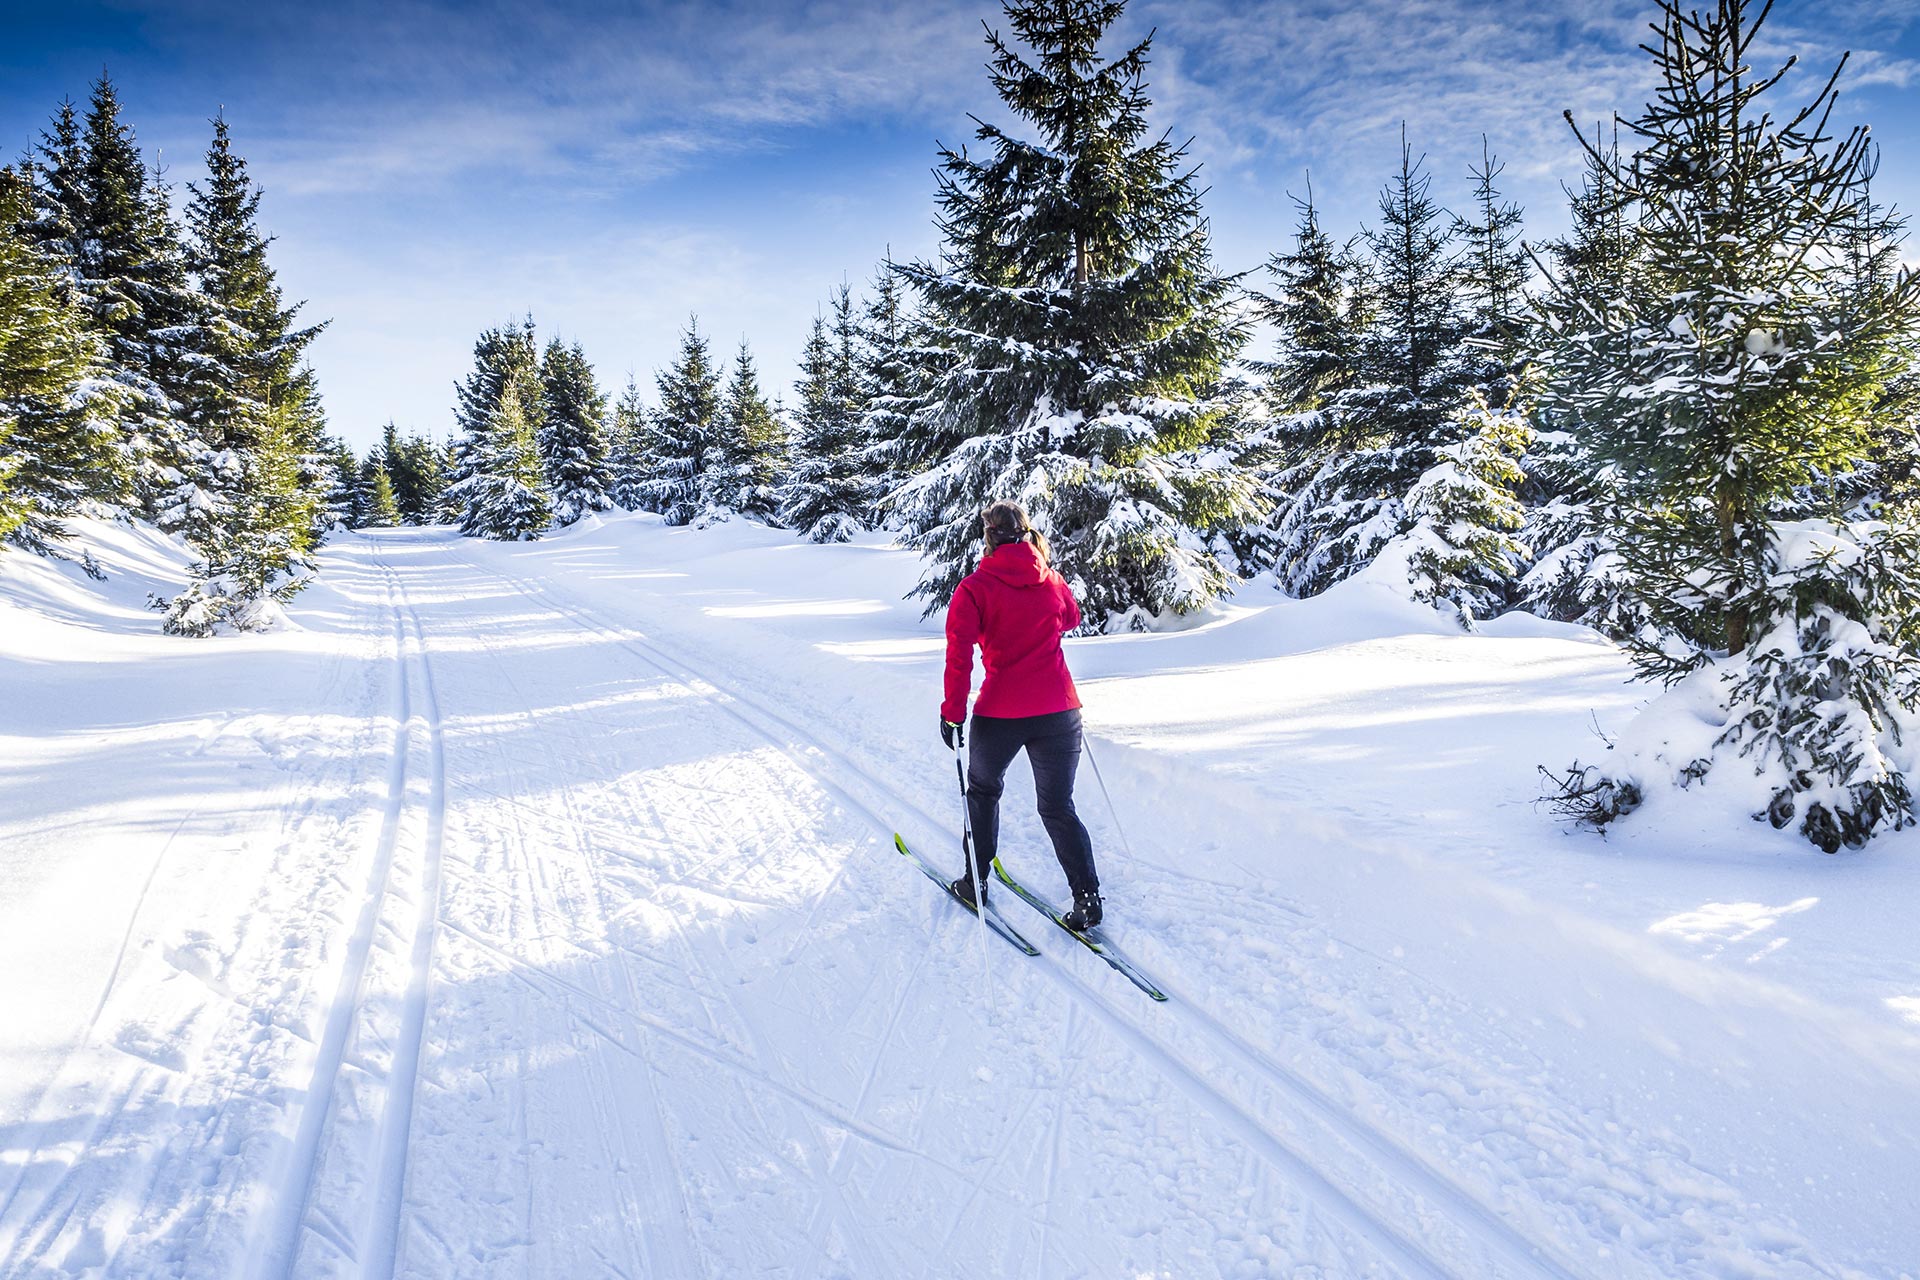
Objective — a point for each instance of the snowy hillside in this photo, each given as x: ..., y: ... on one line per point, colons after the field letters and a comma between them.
x: 532, y: 909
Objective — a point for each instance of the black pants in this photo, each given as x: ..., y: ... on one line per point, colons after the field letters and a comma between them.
x: 1053, y: 749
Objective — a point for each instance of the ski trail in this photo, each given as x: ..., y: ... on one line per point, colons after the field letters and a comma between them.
x: 1355, y: 1217
x: 382, y: 1252
x: 304, y: 1157
x: 165, y: 1164
x: 820, y: 1167
x: 657, y: 1232
x: 1477, y: 1223
x: 1523, y: 1256
x: 1053, y: 1147
x: 345, y: 1170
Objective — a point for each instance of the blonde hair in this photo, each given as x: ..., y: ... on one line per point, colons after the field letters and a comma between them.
x: 1007, y: 522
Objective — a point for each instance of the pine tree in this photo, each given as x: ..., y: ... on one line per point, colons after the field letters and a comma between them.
x: 631, y: 424
x: 1084, y: 333
x: 1741, y: 364
x: 341, y: 500
x: 1493, y: 273
x: 415, y: 465
x: 573, y: 444
x: 1319, y: 312
x: 889, y: 380
x: 502, y: 356
x: 675, y: 455
x: 133, y: 279
x: 14, y: 505
x: 1889, y: 480
x: 254, y: 342
x: 382, y: 510
x: 507, y: 498
x: 1572, y: 524
x: 1459, y: 546
x: 748, y: 448
x: 62, y: 441
x: 246, y: 393
x: 55, y: 173
x: 831, y: 490
x: 1412, y: 377
x: 1371, y: 440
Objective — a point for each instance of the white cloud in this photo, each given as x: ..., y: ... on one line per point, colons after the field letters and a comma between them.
x: 437, y: 166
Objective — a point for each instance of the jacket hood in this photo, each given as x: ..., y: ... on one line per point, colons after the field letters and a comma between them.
x: 1017, y: 564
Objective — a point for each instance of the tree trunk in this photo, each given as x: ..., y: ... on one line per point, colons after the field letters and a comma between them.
x: 1726, y: 508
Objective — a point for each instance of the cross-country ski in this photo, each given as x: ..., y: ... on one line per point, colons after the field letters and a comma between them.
x: 999, y: 926
x: 1090, y: 938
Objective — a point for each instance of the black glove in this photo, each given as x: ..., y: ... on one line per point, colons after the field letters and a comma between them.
x: 952, y: 734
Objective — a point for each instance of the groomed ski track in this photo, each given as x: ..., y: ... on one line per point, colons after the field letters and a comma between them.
x: 586, y: 952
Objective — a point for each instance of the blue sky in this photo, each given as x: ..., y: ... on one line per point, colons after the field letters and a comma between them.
x: 432, y: 168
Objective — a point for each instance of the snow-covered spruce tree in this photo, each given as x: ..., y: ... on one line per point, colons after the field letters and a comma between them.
x: 248, y: 396
x: 252, y: 353
x: 1577, y: 574
x: 888, y: 378
x: 1085, y: 332
x: 416, y: 466
x: 506, y: 498
x: 573, y: 435
x: 1457, y: 544
x: 1380, y: 434
x: 831, y: 491
x: 748, y: 448
x: 55, y: 171
x: 1890, y: 479
x: 675, y: 454
x: 501, y: 356
x: 13, y: 504
x: 341, y: 502
x: 60, y: 422
x: 1493, y: 276
x: 1318, y: 310
x: 132, y: 278
x: 626, y: 447
x: 387, y: 458
x: 381, y: 509
x: 1741, y: 364
x: 1413, y: 377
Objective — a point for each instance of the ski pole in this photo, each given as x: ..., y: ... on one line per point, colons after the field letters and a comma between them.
x: 1125, y: 843
x: 973, y: 874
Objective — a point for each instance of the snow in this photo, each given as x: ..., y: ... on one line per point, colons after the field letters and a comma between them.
x: 530, y: 909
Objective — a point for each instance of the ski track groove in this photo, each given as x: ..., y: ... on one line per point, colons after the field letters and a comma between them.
x: 1053, y: 1141
x: 403, y: 1075
x: 1482, y: 1224
x: 755, y: 1043
x: 48, y: 1219
x: 821, y: 1168
x: 872, y: 1074
x: 283, y: 1242
x: 679, y: 1253
x: 338, y: 1049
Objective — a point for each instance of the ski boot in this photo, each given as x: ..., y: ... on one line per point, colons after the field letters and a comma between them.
x: 1085, y: 912
x: 963, y: 890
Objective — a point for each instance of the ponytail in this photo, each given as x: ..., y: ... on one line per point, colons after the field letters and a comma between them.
x: 1007, y: 522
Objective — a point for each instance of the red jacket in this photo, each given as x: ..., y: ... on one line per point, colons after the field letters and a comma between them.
x: 1016, y: 609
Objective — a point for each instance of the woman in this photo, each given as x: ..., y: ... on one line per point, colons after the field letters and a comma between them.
x: 1016, y: 608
